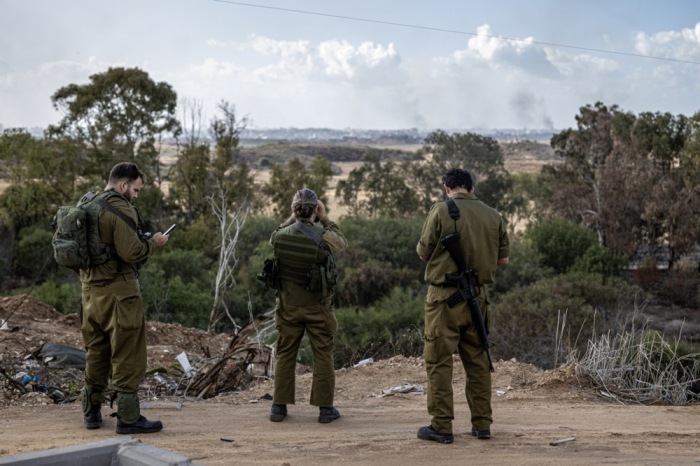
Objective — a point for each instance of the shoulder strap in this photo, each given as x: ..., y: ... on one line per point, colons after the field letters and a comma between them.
x: 106, y: 205
x: 312, y: 234
x: 453, y: 210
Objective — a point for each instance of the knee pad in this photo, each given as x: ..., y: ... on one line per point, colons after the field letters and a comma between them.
x: 128, y: 408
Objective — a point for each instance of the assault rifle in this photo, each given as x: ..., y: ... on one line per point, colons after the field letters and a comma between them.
x: 467, y: 289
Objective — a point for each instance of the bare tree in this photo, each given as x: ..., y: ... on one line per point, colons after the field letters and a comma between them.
x: 231, y: 218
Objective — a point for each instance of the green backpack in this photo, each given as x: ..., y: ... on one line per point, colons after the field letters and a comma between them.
x: 76, y: 241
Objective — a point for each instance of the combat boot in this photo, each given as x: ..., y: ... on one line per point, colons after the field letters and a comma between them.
x: 141, y: 426
x: 278, y: 413
x: 92, y: 405
x: 327, y: 414
x: 129, y: 419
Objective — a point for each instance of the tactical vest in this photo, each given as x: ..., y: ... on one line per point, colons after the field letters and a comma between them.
x: 300, y: 259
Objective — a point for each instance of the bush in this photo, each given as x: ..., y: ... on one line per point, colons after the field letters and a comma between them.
x: 524, y: 267
x: 394, y: 325
x: 176, y: 287
x: 541, y: 322
x: 560, y: 243
x: 369, y: 281
x: 65, y: 297
x: 33, y: 258
x: 600, y: 260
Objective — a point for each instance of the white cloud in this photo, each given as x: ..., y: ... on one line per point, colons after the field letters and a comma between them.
x: 678, y: 45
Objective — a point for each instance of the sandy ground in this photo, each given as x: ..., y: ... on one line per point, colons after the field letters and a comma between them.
x: 531, y: 409
x: 382, y: 430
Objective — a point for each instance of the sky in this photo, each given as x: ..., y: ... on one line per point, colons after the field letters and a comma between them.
x: 365, y: 64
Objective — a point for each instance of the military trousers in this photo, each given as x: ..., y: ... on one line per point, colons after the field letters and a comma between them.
x: 320, y: 324
x: 114, y: 332
x: 448, y: 330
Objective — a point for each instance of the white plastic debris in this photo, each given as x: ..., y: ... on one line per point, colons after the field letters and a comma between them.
x: 407, y: 388
x: 185, y: 363
x: 364, y: 362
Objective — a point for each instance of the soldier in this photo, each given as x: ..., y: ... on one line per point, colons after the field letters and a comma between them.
x: 304, y: 256
x: 113, y: 319
x: 485, y: 243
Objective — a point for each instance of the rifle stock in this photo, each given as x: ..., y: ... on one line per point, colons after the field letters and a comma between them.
x: 467, y: 289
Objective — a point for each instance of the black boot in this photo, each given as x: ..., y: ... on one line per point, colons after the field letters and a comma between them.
x: 141, y: 426
x: 128, y: 408
x: 93, y: 419
x: 327, y: 414
x: 278, y: 413
x: 92, y: 404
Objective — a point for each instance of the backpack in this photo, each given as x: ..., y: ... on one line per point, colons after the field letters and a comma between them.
x: 297, y: 260
x: 76, y: 241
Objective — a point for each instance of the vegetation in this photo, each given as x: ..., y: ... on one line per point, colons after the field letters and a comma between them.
x: 622, y: 185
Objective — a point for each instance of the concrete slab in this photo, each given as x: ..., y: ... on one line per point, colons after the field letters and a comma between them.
x: 117, y: 451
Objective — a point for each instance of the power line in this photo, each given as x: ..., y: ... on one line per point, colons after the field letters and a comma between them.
x: 453, y: 31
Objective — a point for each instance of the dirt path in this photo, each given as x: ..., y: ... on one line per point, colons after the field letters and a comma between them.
x: 382, y: 430
x: 531, y: 409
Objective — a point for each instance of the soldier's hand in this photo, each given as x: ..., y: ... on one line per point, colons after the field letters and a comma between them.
x: 160, y: 239
x: 320, y: 209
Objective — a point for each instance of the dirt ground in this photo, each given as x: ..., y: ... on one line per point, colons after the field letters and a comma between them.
x: 532, y: 408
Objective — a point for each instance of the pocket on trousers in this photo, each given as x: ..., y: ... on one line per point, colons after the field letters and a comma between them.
x: 129, y: 311
x: 429, y: 348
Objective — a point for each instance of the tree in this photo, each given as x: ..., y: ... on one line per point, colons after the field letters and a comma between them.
x: 287, y: 180
x: 120, y: 115
x: 377, y: 189
x: 190, y: 173
x: 231, y: 222
x: 480, y: 155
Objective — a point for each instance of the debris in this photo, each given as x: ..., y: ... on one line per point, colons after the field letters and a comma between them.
x: 554, y: 443
x: 60, y: 356
x: 363, y: 363
x: 185, y: 363
x: 160, y: 404
x: 406, y: 388
x: 224, y: 439
x: 266, y: 396
x: 500, y: 393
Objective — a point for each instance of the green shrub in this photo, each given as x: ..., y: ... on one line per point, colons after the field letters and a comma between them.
x: 32, y: 251
x: 393, y: 325
x: 600, y: 260
x: 369, y: 281
x: 65, y: 297
x: 524, y: 267
x: 560, y: 243
x: 527, y: 323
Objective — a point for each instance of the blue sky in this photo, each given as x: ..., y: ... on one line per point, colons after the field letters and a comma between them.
x: 291, y: 69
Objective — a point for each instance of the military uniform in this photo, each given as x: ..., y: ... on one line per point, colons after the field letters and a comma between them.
x: 484, y: 240
x: 300, y: 310
x: 113, y: 318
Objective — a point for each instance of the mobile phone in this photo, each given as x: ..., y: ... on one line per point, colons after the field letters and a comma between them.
x: 167, y: 232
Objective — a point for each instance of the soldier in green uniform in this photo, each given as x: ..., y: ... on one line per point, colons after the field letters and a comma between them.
x: 113, y: 319
x: 484, y: 241
x: 304, y: 247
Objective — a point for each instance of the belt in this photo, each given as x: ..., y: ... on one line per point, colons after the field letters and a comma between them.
x: 122, y: 277
x: 444, y: 285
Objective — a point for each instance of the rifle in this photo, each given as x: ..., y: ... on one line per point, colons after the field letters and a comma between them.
x: 467, y: 289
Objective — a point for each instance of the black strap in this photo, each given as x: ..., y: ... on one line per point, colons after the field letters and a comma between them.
x: 453, y: 210
x: 312, y: 234
x: 129, y: 221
